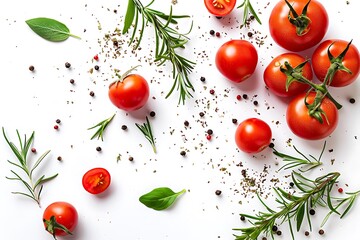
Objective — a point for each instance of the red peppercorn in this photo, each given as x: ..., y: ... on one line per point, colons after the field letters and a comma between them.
x: 208, y: 137
x: 340, y: 190
x: 56, y: 127
x: 238, y: 97
x: 217, y: 34
x: 33, y: 150
x: 96, y: 57
x: 212, y: 91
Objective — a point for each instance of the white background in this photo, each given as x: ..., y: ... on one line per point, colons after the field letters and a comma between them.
x: 32, y: 101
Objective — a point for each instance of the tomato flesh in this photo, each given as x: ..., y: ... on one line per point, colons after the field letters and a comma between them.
x: 96, y: 180
x: 253, y: 135
x: 220, y: 7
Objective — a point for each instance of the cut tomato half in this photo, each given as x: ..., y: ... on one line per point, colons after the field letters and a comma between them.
x: 220, y: 8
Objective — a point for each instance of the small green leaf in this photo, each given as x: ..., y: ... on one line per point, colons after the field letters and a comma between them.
x: 160, y: 198
x: 129, y: 17
x: 50, y: 29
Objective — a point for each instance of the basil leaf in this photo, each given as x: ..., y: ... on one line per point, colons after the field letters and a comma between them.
x: 50, y: 29
x: 129, y: 17
x: 160, y: 198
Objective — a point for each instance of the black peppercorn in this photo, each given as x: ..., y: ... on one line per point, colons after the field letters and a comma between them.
x: 291, y: 184
x: 31, y: 68
x: 352, y: 100
x: 312, y: 212
x: 92, y: 93
x: 131, y: 159
x: 245, y: 96
x: 218, y: 192
x: 278, y: 233
x: 250, y: 34
x: 209, y: 131
x: 274, y: 228
x: 123, y: 127
x: 321, y: 232
x: 255, y: 103
x: 59, y: 158
x: 212, y: 32
x: 67, y: 65
x: 96, y: 67
x: 58, y: 121
x: 98, y: 149
x: 182, y: 153
x: 186, y: 123
x: 201, y: 114
x: 202, y: 79
x: 234, y: 120
x: 264, y: 238
x: 242, y: 218
x: 271, y: 145
x: 72, y: 81
x: 152, y: 114
x: 307, y: 233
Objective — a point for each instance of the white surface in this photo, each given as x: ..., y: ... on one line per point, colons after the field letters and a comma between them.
x: 33, y: 101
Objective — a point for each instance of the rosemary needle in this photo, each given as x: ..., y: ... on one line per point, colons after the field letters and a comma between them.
x: 145, y: 128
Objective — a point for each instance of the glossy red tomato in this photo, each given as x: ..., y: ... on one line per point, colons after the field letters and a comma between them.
x: 236, y: 60
x: 253, y: 135
x: 60, y: 218
x: 305, y: 126
x: 276, y: 80
x: 321, y: 62
x: 130, y: 94
x: 220, y: 7
x: 96, y: 180
x: 286, y: 35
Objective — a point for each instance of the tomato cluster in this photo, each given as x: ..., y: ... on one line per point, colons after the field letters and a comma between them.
x: 296, y: 25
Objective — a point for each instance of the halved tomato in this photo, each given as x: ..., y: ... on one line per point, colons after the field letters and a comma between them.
x: 220, y: 8
x: 96, y: 180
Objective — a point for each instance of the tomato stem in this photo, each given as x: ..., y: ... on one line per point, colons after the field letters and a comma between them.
x: 301, y: 22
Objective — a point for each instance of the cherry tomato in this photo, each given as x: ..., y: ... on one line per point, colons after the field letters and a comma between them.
x: 60, y: 218
x: 129, y: 94
x: 220, y: 7
x: 275, y: 80
x: 96, y: 180
x: 305, y: 126
x: 253, y: 135
x: 321, y: 62
x: 285, y: 33
x: 236, y: 60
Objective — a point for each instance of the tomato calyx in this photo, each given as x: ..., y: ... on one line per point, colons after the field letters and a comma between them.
x: 336, y: 63
x: 52, y: 225
x: 293, y: 74
x: 124, y: 75
x: 301, y: 22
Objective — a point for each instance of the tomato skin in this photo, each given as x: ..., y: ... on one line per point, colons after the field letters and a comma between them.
x: 275, y: 80
x: 96, y: 180
x: 307, y: 127
x: 219, y: 8
x: 130, y: 94
x: 64, y: 213
x: 236, y: 60
x: 321, y: 62
x: 253, y: 135
x: 284, y: 33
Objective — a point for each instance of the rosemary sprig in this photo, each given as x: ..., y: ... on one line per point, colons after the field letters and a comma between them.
x: 145, y: 128
x: 293, y: 162
x: 167, y: 41
x: 248, y: 8
x: 33, y: 186
x: 101, y: 128
x: 312, y: 193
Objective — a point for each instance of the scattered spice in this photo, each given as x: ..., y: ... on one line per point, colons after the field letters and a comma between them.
x: 186, y: 123
x: 182, y: 153
x: 238, y: 97
x: 33, y: 150
x: 340, y: 190
x: 255, y: 103
x: 56, y: 127
x: 201, y: 114
x: 217, y: 34
x: 218, y: 192
x: 92, y: 93
x: 67, y: 65
x: 321, y: 232
x: 274, y: 228
x: 307, y: 233
x: 271, y: 145
x: 152, y: 114
x: 96, y: 57
x: 242, y: 218
x: 212, y: 91
x: 209, y: 131
x: 208, y: 137
x: 352, y: 100
x: 96, y: 67
x: 202, y: 79
x: 31, y: 68
x: 58, y: 121
x: 59, y: 158
x: 245, y: 96
x: 98, y: 149
x: 312, y: 212
x: 72, y: 81
x: 123, y: 127
x: 212, y: 32
x: 234, y: 120
x: 131, y: 159
x: 278, y: 233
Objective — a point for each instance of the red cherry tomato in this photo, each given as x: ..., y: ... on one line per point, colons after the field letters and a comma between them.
x: 130, y: 94
x: 275, y: 80
x: 96, y: 180
x: 305, y: 126
x: 285, y: 33
x: 60, y: 215
x: 236, y: 60
x: 321, y: 62
x: 220, y: 7
x: 253, y: 135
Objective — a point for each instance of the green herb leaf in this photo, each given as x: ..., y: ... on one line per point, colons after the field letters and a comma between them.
x: 145, y: 128
x: 129, y: 17
x: 160, y: 198
x: 50, y: 29
x: 101, y: 126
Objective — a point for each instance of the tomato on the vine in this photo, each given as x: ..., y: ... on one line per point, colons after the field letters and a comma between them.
x: 236, y: 60
x: 351, y: 61
x: 302, y: 124
x: 253, y: 135
x: 60, y: 218
x: 96, y: 180
x: 220, y: 8
x: 276, y: 80
x: 130, y: 92
x: 297, y: 28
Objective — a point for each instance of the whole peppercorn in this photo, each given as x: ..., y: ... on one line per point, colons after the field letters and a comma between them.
x: 255, y: 103
x: 92, y: 93
x: 202, y: 79
x: 218, y: 192
x: 56, y: 127
x: 307, y: 233
x: 312, y: 212
x: 98, y: 149
x: 238, y: 97
x: 321, y: 232
x: 201, y: 114
x: 152, y: 114
x: 123, y: 127
x: 208, y: 137
x: 67, y: 65
x: 245, y: 96
x: 234, y: 120
x: 340, y: 190
x: 352, y: 100
x: 186, y: 123
x: 96, y: 57
x: 72, y: 81
x: 291, y: 184
x: 58, y: 121
x: 250, y: 34
x: 212, y: 32
x: 271, y: 145
x: 33, y: 150
x: 209, y: 131
x: 278, y: 233
x: 212, y: 91
x: 242, y: 218
x: 131, y: 159
x: 274, y: 228
x: 59, y: 158
x: 217, y: 34
x: 31, y: 68
x: 182, y: 153
x: 264, y: 238
x: 96, y: 67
